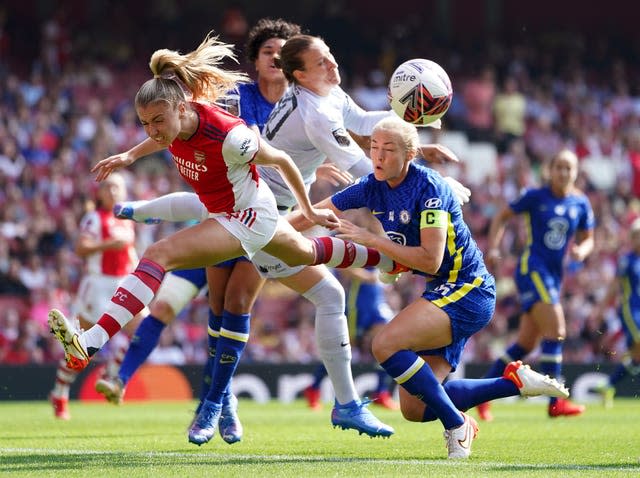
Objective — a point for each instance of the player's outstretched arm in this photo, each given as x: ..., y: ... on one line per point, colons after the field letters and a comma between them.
x: 108, y: 165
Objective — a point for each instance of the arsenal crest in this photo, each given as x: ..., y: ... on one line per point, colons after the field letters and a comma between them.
x: 199, y: 156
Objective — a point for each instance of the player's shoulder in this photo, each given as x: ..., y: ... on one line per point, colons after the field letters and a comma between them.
x: 580, y: 196
x: 241, y: 140
x: 429, y: 177
x: 317, y: 110
x: 214, y: 116
x: 91, y: 220
x: 248, y: 88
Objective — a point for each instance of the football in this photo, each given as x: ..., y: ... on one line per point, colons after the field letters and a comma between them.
x: 420, y: 91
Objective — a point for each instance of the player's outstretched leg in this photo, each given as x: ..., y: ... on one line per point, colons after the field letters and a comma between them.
x: 67, y: 334
x: 356, y: 416
x: 126, y: 210
x: 204, y: 425
x: 229, y: 425
x: 531, y: 383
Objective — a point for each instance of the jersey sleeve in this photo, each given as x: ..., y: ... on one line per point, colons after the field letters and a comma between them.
x: 91, y: 226
x: 587, y: 221
x: 240, y: 145
x: 524, y: 202
x: 360, y: 121
x: 328, y: 134
x: 352, y: 197
x: 246, y: 108
x: 436, y: 200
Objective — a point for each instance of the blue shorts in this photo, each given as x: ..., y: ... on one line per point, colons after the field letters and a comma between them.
x: 469, y: 306
x: 631, y: 325
x: 231, y: 262
x: 537, y: 285
x: 366, y: 317
x: 198, y: 277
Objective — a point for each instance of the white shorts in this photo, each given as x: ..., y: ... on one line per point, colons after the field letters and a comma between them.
x: 94, y: 295
x: 270, y: 267
x: 254, y: 227
x: 177, y: 292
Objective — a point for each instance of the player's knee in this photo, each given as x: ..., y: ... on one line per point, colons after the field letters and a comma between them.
x: 380, y: 347
x: 327, y: 295
x: 240, y: 303
x: 162, y: 253
x: 162, y: 311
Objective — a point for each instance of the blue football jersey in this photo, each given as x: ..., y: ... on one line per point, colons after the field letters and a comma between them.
x: 629, y: 274
x: 254, y: 108
x: 550, y: 224
x: 416, y: 203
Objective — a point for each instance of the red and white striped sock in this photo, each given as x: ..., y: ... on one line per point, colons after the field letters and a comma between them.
x: 345, y: 254
x: 64, y: 378
x: 119, y: 350
x: 134, y: 293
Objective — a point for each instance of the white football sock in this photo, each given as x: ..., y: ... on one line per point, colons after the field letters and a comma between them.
x: 332, y: 336
x: 173, y: 207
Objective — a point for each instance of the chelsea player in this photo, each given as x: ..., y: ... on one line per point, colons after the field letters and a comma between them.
x: 554, y: 214
x: 426, y: 232
x: 625, y: 290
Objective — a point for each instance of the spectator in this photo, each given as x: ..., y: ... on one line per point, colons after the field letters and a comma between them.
x: 509, y: 114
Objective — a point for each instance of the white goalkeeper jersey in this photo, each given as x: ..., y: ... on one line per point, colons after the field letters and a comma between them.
x: 312, y: 128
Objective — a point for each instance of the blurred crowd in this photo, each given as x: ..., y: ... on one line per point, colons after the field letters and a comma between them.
x: 60, y: 112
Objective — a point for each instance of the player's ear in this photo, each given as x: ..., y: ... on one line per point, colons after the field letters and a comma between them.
x: 298, y: 75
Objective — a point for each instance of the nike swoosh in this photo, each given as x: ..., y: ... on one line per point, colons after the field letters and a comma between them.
x: 466, y: 441
x: 343, y: 344
x: 515, y: 379
x: 76, y: 344
x: 377, y: 213
x: 223, y: 361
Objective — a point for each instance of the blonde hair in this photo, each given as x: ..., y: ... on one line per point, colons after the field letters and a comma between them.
x: 116, y: 179
x: 563, y: 153
x: 407, y: 133
x: 197, y: 72
x: 567, y: 154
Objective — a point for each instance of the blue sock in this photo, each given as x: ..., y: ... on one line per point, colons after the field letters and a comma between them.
x: 234, y: 334
x: 318, y: 375
x: 466, y: 393
x: 384, y: 381
x: 415, y: 375
x: 514, y: 352
x: 627, y: 367
x: 143, y: 342
x: 618, y: 374
x: 551, y: 360
x: 213, y: 331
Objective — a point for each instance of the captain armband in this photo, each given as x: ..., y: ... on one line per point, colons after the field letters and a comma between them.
x: 434, y: 218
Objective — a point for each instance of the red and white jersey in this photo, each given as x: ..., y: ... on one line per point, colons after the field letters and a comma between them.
x: 102, y: 225
x: 215, y: 160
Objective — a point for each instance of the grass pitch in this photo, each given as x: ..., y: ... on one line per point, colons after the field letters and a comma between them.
x: 150, y: 440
